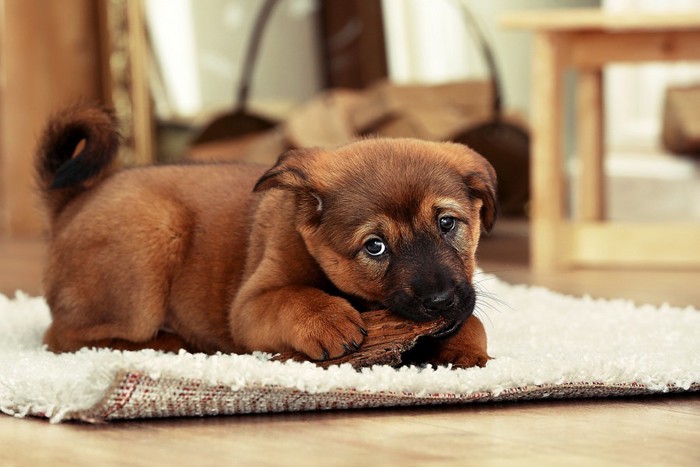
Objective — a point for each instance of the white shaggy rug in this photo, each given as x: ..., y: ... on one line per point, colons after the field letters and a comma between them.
x: 544, y: 345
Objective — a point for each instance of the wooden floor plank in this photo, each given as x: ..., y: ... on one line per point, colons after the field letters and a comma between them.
x: 589, y: 432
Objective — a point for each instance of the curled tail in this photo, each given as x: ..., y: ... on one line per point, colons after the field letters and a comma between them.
x: 63, y: 171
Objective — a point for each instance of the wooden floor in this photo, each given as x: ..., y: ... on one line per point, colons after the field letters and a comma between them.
x: 644, y: 431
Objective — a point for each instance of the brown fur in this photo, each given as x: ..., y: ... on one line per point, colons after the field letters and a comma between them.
x: 237, y: 258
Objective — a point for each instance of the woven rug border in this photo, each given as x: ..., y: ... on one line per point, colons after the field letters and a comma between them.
x: 135, y: 395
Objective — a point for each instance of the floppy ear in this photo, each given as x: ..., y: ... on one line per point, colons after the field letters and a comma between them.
x: 291, y: 173
x: 480, y: 179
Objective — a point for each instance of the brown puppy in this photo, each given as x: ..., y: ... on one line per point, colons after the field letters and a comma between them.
x: 237, y: 258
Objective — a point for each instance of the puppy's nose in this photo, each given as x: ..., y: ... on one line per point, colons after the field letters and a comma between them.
x: 439, y: 301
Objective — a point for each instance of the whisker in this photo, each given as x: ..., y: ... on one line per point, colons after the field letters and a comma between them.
x: 488, y: 305
x: 487, y: 297
x: 497, y: 301
x: 481, y: 314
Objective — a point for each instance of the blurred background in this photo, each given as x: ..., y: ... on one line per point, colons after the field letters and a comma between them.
x: 189, y: 80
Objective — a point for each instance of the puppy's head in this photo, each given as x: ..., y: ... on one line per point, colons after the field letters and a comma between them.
x: 395, y: 222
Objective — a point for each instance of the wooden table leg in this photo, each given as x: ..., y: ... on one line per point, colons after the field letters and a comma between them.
x: 547, y: 184
x: 590, y: 193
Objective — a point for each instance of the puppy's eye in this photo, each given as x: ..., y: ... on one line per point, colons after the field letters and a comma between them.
x: 447, y: 223
x: 375, y: 247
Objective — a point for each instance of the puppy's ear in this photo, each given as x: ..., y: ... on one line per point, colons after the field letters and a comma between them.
x: 480, y: 179
x: 292, y: 173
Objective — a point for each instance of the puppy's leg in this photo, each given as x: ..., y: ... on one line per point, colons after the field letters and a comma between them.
x: 101, y: 320
x: 466, y: 348
x: 297, y: 318
x: 109, y: 285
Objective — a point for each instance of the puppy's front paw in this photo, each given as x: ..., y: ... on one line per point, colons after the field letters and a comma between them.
x: 465, y: 349
x: 330, y: 331
x: 462, y: 358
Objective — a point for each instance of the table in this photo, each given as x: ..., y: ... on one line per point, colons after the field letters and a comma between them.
x: 585, y: 40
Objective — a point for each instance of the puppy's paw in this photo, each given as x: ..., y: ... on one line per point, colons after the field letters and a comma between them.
x: 465, y: 349
x: 462, y: 358
x: 468, y: 361
x: 330, y: 331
